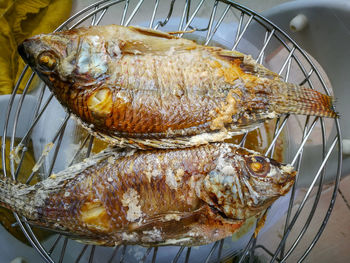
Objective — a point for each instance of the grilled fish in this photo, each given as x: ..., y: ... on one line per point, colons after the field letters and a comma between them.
x: 189, y: 196
x: 141, y: 87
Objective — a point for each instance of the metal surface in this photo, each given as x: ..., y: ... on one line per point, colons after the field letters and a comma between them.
x: 241, y: 23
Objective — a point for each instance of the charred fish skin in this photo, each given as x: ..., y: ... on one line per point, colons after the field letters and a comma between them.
x: 146, y: 88
x: 187, y: 196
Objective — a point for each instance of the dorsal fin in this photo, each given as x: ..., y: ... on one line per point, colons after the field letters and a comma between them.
x: 248, y: 64
x: 146, y: 40
x: 152, y: 32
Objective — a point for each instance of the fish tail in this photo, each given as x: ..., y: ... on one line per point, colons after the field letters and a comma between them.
x: 291, y: 98
x: 6, y: 193
x: 11, y: 197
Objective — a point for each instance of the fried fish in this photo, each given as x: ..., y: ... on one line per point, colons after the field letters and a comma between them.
x: 144, y: 88
x: 189, y: 196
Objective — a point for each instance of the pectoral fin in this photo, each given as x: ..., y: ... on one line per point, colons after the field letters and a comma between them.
x: 168, y: 220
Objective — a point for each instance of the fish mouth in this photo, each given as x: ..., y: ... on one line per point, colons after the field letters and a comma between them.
x: 22, y: 52
x: 289, y: 182
x: 28, y: 50
x: 25, y: 51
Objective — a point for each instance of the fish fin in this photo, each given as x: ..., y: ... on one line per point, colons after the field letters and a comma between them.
x: 154, y: 46
x: 230, y: 55
x: 245, y: 125
x: 167, y: 143
x: 161, y: 34
x: 181, y: 32
x: 51, y: 228
x: 86, y: 240
x: 168, y: 219
x: 152, y: 32
x: 291, y: 98
x: 93, y: 241
x: 147, y: 40
x: 187, y: 228
x: 260, y: 224
x: 248, y: 64
x: 116, y: 140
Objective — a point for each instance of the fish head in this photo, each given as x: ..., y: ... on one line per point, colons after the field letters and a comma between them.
x: 46, y: 53
x: 244, y: 183
x: 74, y: 56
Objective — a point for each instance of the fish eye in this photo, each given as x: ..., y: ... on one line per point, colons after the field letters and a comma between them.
x: 47, y: 60
x: 258, y: 165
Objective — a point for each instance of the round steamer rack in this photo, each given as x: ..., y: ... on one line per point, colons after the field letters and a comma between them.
x: 313, y: 146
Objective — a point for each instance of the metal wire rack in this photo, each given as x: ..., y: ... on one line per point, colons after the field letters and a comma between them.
x: 241, y: 28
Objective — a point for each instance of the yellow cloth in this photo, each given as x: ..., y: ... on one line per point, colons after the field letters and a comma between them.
x: 20, y: 19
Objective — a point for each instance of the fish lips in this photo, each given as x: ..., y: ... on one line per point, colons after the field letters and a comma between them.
x: 23, y: 53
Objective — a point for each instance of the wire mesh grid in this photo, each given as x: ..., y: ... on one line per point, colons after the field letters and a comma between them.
x: 243, y: 28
